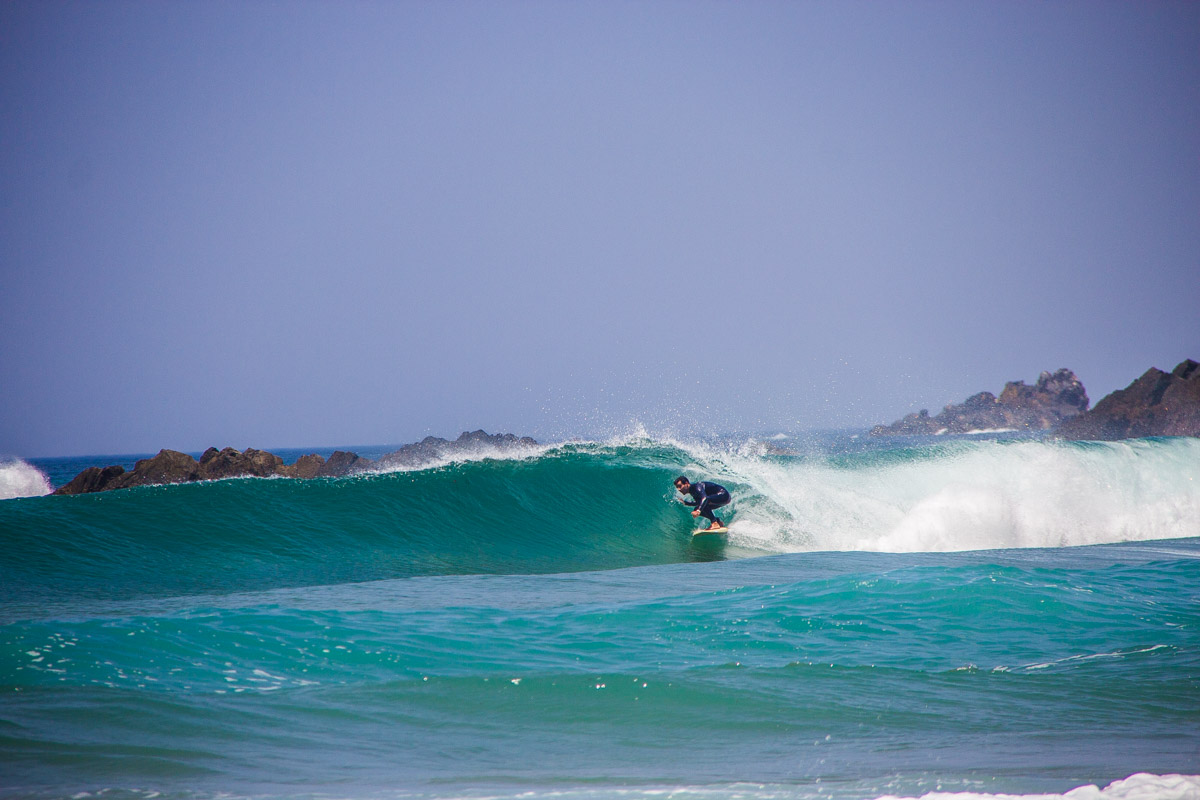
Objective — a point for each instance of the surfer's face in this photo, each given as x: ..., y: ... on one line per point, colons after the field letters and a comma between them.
x: 683, y: 486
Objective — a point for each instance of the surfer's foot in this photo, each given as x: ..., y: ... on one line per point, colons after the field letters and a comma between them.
x: 716, y: 525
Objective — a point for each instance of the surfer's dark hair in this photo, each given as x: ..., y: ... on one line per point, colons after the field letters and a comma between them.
x: 681, y: 479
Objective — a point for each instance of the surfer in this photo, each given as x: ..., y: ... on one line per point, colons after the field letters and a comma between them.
x: 705, y: 497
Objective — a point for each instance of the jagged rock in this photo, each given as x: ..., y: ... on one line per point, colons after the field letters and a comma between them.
x: 308, y: 466
x: 225, y: 463
x: 1156, y: 404
x: 230, y: 463
x: 432, y: 448
x: 343, y: 463
x: 169, y: 466
x: 260, y: 463
x: 92, y: 479
x: 1055, y: 397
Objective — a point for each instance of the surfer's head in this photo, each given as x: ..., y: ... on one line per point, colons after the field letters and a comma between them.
x: 682, y: 483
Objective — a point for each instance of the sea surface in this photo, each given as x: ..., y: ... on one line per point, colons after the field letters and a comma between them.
x: 972, y: 617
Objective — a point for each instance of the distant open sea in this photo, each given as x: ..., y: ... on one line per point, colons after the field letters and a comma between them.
x: 983, y: 615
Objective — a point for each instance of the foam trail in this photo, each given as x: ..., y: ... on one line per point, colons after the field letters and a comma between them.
x: 1141, y: 786
x: 19, y: 479
x: 965, y: 496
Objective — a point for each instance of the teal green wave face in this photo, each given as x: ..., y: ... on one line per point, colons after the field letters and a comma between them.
x: 590, y: 507
x: 566, y: 512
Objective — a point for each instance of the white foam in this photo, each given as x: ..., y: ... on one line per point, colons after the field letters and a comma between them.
x: 966, y: 496
x: 19, y: 479
x: 1142, y: 786
x: 459, y: 454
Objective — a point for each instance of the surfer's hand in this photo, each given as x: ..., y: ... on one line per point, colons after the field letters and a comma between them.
x: 696, y: 513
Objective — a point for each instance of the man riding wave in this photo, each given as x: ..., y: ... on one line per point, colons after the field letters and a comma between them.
x: 705, y: 497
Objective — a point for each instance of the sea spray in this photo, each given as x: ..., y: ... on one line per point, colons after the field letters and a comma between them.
x: 21, y: 479
x: 964, y: 495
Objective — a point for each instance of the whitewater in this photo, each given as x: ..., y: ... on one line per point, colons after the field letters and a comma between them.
x: 971, y: 617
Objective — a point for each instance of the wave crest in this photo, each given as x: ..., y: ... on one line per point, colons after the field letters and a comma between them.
x: 20, y: 479
x: 966, y: 495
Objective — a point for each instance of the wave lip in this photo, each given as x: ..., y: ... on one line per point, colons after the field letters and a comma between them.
x: 21, y: 479
x: 586, y: 506
x: 433, y: 452
x: 967, y: 495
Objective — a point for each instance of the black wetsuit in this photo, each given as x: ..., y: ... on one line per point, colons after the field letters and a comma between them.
x: 708, y: 496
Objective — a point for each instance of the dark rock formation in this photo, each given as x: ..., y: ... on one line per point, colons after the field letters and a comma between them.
x: 171, y: 466
x: 1156, y: 404
x: 93, y: 479
x: 432, y: 449
x: 306, y: 467
x: 1054, y: 398
x: 343, y: 463
x: 229, y: 463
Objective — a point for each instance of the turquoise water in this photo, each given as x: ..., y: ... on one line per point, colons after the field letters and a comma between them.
x: 971, y: 616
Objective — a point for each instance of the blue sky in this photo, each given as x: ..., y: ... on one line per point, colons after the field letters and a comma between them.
x: 310, y: 224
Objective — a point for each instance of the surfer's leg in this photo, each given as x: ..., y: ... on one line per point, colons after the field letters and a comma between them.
x: 718, y: 502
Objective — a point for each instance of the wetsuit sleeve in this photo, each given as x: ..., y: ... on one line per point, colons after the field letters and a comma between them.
x: 702, y: 498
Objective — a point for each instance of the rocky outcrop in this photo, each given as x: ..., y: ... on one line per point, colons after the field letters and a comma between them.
x: 229, y: 463
x: 306, y: 467
x: 172, y: 466
x: 1156, y: 404
x: 343, y: 463
x: 169, y: 466
x: 433, y: 449
x: 93, y: 479
x: 1055, y: 397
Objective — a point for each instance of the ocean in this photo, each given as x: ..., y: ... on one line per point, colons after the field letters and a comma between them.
x: 981, y: 616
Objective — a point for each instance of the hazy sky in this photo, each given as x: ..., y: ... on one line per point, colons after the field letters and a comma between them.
x: 310, y: 224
